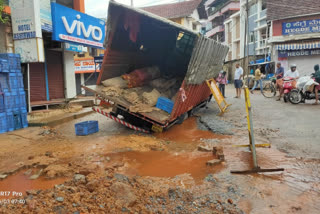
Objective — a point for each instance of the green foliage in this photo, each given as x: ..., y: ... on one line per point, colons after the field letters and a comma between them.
x: 4, y: 18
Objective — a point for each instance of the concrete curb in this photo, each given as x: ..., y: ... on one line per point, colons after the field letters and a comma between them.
x: 62, y: 120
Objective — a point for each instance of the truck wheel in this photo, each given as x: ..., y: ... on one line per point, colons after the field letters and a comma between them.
x: 182, y: 118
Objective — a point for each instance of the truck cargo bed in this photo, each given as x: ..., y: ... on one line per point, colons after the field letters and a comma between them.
x: 159, y: 116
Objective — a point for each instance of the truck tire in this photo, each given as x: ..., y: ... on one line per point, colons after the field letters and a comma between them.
x: 182, y: 118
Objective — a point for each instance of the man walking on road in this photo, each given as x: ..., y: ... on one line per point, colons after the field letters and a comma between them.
x: 257, y: 77
x: 237, y: 80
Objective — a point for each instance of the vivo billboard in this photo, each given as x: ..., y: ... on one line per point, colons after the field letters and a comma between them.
x: 73, y: 26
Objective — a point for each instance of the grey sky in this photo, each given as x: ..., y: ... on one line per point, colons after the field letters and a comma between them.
x: 99, y: 8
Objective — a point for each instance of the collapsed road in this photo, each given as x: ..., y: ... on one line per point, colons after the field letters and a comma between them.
x: 120, y: 170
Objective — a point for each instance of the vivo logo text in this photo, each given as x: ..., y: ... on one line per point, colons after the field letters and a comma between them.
x: 94, y: 31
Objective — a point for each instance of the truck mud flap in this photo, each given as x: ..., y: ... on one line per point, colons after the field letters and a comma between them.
x: 119, y: 120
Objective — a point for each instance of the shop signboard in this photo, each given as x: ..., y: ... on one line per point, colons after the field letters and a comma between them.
x: 85, y: 65
x: 301, y: 27
x: 73, y: 26
x: 290, y: 53
x: 24, y: 22
x: 75, y: 48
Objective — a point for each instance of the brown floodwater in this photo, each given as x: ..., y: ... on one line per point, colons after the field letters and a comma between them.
x: 187, y: 132
x: 19, y: 182
x: 166, y: 164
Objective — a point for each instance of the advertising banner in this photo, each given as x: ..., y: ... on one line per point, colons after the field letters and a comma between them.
x: 73, y: 26
x: 24, y: 22
x: 85, y: 65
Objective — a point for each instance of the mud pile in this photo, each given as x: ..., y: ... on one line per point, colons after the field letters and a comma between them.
x: 114, y: 193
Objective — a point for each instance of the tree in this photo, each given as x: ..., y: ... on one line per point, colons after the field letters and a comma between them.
x: 4, y: 18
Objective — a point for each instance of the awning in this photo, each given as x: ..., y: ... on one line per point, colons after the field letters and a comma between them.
x: 298, y: 46
x: 263, y: 63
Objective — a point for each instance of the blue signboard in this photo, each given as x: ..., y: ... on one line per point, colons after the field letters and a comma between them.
x: 289, y: 53
x: 73, y: 26
x: 301, y: 27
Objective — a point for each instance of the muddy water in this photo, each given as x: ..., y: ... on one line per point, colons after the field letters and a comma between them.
x: 166, y: 164
x: 19, y: 182
x: 186, y: 132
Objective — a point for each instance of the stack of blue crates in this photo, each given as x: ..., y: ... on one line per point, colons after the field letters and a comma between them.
x: 13, y: 107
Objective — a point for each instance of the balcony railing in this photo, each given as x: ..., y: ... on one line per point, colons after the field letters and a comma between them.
x: 215, y: 30
x: 218, y: 11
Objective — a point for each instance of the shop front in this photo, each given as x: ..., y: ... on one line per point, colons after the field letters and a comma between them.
x: 297, y: 41
x: 304, y: 55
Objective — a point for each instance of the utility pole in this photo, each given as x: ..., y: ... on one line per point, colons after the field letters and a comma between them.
x: 131, y: 3
x: 246, y: 50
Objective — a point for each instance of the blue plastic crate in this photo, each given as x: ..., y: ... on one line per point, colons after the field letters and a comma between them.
x: 17, y: 120
x: 20, y: 80
x: 24, y: 117
x: 22, y: 98
x: 14, y: 60
x: 8, y: 101
x: 165, y: 104
x: 10, y: 121
x: 3, y: 123
x: 13, y: 81
x: 87, y: 127
x: 4, y: 66
x: 4, y: 81
x: 2, y: 106
x: 15, y: 98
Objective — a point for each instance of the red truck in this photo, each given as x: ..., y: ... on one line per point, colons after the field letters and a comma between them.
x: 137, y: 39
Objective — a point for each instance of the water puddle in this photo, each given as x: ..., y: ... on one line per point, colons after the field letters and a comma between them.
x: 187, y: 132
x: 20, y: 182
x: 165, y: 164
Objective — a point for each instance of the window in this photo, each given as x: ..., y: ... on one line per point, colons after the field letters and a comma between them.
x: 252, y: 9
x: 194, y: 26
x: 264, y: 5
x: 252, y: 37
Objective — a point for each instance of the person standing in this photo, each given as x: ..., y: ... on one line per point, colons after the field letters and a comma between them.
x: 237, y: 80
x: 258, y: 80
x: 222, y: 80
x: 317, y: 79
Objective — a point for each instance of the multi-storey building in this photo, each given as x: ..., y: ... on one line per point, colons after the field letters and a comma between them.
x: 218, y: 11
x: 258, y: 29
x: 232, y: 36
x: 187, y: 13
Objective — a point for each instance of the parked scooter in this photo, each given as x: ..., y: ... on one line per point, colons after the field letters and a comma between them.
x: 304, y: 91
x: 287, y: 87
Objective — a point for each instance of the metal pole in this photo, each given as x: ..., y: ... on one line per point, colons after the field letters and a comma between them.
x: 28, y: 75
x: 247, y: 41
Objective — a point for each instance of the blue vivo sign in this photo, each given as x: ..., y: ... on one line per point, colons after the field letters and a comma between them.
x: 72, y: 26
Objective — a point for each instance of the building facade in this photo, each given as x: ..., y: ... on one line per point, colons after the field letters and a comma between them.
x: 218, y: 12
x: 48, y: 57
x: 190, y: 13
x: 232, y: 36
x: 258, y: 29
x: 295, y: 34
x: 297, y: 41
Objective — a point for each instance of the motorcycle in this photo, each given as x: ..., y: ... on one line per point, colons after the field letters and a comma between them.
x: 304, y: 91
x: 287, y: 87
